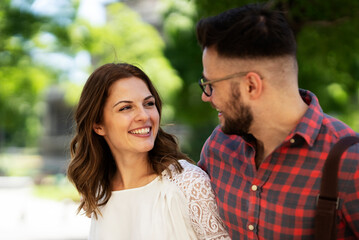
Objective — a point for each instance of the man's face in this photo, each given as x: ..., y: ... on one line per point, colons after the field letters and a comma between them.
x: 234, y: 115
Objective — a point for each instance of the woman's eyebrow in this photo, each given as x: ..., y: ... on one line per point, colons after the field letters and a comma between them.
x: 128, y: 101
x: 149, y: 97
x: 122, y: 101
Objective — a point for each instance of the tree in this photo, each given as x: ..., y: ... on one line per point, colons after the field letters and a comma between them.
x: 22, y: 79
x: 126, y: 38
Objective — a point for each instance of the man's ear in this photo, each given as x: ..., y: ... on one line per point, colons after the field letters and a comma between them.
x: 254, y: 85
x: 98, y: 129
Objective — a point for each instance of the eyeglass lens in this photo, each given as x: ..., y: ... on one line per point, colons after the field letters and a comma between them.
x: 207, y: 89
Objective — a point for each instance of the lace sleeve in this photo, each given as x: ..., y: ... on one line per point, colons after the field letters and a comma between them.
x: 203, y: 210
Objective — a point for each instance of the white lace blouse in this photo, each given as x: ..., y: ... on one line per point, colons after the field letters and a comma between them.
x: 182, y: 207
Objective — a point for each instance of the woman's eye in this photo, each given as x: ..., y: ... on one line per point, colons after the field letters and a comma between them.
x: 124, y: 108
x: 151, y: 103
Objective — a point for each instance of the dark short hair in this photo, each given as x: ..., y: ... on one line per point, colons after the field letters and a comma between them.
x: 251, y: 31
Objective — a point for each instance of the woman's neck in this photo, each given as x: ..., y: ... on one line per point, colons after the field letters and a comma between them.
x: 133, y: 171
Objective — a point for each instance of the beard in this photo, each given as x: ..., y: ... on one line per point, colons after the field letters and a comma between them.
x: 242, y: 118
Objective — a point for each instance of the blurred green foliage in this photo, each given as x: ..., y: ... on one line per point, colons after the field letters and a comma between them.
x: 22, y: 79
x: 179, y: 21
x: 126, y: 38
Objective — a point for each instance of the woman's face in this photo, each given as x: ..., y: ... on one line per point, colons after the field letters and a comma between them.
x: 130, y: 118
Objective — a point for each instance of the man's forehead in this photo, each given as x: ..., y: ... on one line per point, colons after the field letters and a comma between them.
x: 212, y: 59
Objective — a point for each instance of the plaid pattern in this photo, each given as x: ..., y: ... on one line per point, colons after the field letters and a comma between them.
x: 278, y: 200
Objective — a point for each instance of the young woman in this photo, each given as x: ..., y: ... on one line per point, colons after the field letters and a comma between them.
x: 134, y: 181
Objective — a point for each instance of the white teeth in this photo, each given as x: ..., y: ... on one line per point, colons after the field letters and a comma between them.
x: 141, y: 131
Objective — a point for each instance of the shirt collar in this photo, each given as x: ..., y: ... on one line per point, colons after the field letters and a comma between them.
x: 309, y: 126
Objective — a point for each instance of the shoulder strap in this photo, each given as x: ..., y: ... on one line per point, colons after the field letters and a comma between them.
x: 325, y: 226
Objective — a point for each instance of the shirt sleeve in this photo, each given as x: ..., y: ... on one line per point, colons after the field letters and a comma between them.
x: 203, y: 209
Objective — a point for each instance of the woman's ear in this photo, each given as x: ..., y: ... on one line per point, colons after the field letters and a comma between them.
x: 98, y: 129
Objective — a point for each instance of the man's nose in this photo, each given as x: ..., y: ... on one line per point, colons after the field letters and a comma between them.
x: 205, y: 98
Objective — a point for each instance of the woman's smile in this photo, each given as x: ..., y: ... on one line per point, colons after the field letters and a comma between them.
x: 141, y: 132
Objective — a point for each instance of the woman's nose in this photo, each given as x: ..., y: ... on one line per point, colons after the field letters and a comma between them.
x: 142, y: 115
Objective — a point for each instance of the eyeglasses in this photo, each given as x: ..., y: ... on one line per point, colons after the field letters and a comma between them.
x: 206, y: 85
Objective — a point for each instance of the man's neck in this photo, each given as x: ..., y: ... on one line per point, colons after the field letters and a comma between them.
x: 271, y: 131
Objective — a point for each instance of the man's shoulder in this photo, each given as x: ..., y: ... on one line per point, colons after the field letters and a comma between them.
x: 337, y: 128
x: 220, y: 146
x: 220, y: 137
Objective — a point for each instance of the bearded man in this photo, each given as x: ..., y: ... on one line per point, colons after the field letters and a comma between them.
x: 266, y: 157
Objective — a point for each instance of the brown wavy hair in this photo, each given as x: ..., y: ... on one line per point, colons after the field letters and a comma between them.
x: 92, y: 165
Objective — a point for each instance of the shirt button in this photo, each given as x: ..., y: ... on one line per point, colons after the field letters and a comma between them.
x: 250, y: 227
x: 254, y: 188
x: 292, y: 140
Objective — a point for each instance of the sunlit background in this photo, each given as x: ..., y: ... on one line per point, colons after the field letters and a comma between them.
x: 48, y: 48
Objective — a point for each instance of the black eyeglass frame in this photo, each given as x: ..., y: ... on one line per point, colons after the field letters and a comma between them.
x: 203, y: 81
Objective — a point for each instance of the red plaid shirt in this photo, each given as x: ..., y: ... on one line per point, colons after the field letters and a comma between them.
x: 278, y: 200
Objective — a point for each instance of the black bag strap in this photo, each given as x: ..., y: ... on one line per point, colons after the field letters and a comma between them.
x: 327, y: 201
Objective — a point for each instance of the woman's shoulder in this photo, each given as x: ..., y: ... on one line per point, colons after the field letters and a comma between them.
x: 195, y: 185
x: 189, y: 171
x: 190, y: 168
x: 193, y: 181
